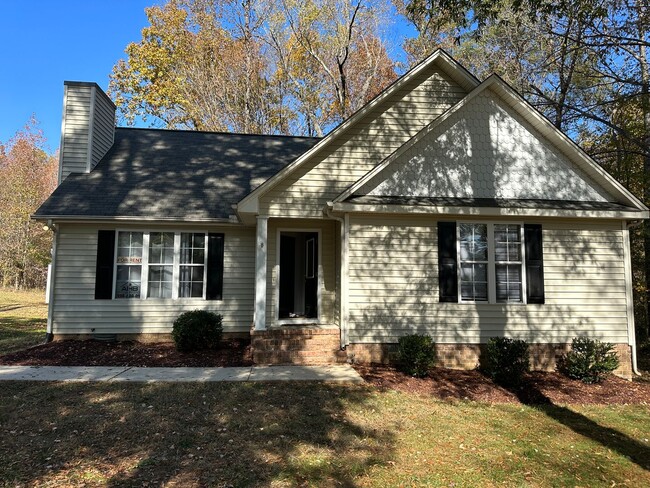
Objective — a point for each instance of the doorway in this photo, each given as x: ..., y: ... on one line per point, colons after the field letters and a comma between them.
x: 298, y: 286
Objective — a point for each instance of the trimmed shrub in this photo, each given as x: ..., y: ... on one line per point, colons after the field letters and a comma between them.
x: 198, y: 329
x: 506, y: 360
x: 416, y: 354
x: 589, y: 360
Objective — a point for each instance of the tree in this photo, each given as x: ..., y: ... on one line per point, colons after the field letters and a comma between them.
x: 332, y: 55
x: 189, y: 71
x: 299, y: 66
x: 27, y: 177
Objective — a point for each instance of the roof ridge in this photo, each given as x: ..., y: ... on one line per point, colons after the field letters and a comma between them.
x: 190, y: 131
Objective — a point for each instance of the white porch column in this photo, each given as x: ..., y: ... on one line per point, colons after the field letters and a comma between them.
x: 345, y: 278
x: 260, y: 273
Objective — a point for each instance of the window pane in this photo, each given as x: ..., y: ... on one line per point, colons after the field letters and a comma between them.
x: 199, y: 241
x: 197, y: 290
x: 197, y: 256
x: 473, y: 242
x: 161, y: 247
x: 197, y: 273
x: 127, y: 284
x: 508, y: 277
x: 507, y: 244
x: 473, y: 286
x: 129, y: 247
x: 160, y: 281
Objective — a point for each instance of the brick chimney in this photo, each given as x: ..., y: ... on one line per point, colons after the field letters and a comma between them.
x: 87, y: 129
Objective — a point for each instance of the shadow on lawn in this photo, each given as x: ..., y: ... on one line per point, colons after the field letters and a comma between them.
x: 529, y: 394
x: 193, y: 435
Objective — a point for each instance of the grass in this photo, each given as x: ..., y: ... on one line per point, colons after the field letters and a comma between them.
x: 286, y: 434
x: 23, y: 317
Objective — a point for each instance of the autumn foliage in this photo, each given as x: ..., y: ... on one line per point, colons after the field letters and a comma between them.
x: 27, y: 177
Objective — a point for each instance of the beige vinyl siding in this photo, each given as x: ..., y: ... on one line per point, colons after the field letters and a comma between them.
x: 305, y: 192
x: 394, y: 286
x: 74, y: 153
x: 327, y: 267
x: 75, y: 310
x: 103, y: 127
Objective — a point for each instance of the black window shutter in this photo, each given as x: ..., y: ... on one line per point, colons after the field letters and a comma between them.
x: 215, y: 267
x: 534, y: 263
x: 447, y: 262
x: 105, y: 261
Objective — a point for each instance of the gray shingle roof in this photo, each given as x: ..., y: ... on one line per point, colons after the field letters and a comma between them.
x: 167, y: 174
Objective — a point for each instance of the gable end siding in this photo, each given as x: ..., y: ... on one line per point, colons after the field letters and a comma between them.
x: 305, y: 192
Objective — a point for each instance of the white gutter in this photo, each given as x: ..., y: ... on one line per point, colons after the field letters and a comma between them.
x: 50, y: 308
x: 631, y: 333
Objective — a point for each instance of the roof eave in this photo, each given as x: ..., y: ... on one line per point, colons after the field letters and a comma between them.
x: 133, y: 219
x: 462, y: 211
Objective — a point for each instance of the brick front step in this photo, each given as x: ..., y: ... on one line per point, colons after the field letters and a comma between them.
x: 297, y: 345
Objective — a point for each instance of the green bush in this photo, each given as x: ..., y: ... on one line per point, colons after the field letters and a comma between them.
x: 589, y: 360
x: 198, y: 329
x: 416, y: 355
x: 506, y: 360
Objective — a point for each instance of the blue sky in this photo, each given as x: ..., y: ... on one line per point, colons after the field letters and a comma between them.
x: 43, y: 43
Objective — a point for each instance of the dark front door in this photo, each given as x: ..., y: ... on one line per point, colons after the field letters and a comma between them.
x: 298, y: 275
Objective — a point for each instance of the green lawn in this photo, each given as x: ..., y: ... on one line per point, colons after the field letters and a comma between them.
x: 307, y: 435
x: 23, y: 316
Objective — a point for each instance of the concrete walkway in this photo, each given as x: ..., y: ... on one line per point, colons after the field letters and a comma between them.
x: 338, y: 373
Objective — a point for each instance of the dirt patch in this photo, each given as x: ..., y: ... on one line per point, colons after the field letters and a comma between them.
x: 538, y: 387
x: 236, y: 352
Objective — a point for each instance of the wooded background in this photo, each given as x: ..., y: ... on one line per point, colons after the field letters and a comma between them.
x: 300, y: 67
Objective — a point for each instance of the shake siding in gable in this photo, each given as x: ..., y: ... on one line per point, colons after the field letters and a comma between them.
x: 305, y: 192
x: 76, y: 115
x: 77, y: 312
x: 394, y: 286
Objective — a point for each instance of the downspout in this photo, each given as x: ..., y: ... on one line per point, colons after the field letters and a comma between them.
x: 49, y: 335
x: 631, y: 332
x: 343, y: 266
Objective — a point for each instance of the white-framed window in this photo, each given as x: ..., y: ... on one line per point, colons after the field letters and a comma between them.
x: 490, y: 262
x: 128, y: 268
x: 160, y: 264
x: 192, y: 265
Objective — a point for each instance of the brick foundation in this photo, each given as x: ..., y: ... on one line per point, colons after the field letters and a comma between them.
x: 543, y: 357
x: 297, y: 345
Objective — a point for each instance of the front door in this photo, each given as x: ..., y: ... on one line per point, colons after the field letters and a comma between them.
x: 298, y: 275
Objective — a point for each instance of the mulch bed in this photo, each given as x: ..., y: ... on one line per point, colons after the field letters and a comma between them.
x: 538, y: 387
x: 446, y: 384
x: 127, y: 353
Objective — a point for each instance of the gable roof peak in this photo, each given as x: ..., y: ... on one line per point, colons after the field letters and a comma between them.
x: 439, y: 58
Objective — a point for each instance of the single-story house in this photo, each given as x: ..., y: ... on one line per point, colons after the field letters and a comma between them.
x: 446, y: 206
